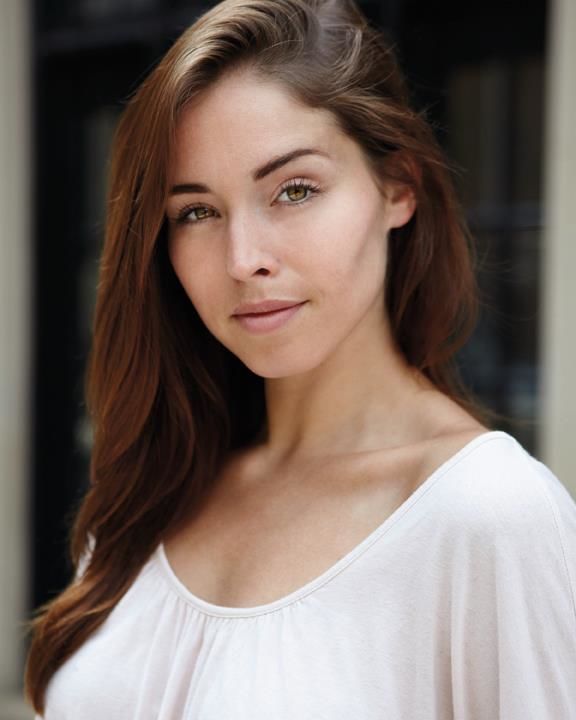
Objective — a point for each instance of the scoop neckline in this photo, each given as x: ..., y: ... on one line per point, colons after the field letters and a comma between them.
x: 209, y: 608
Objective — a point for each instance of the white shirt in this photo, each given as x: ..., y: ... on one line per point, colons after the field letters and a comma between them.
x: 460, y: 605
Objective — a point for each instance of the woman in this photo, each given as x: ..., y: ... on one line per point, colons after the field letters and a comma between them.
x: 296, y: 511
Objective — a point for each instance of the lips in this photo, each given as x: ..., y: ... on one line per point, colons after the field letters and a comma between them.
x: 265, y: 322
x: 265, y: 306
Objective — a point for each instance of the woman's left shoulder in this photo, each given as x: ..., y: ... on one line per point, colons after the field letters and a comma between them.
x: 511, y: 543
x: 499, y: 485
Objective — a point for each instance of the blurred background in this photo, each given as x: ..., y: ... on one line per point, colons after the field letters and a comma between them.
x: 497, y: 82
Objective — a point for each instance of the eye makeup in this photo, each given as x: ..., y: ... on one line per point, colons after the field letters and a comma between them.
x: 294, y: 185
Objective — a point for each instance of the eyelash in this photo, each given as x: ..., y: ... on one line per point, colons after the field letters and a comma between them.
x: 294, y: 184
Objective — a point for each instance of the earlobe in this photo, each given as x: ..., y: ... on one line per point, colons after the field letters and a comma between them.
x: 402, y: 205
x: 404, y: 177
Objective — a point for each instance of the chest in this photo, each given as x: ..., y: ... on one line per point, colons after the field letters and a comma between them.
x: 248, y: 547
x: 379, y: 657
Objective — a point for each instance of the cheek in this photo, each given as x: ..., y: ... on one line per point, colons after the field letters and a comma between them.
x: 351, y: 246
x: 190, y: 272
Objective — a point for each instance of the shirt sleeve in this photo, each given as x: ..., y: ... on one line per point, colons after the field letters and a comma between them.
x: 513, y: 602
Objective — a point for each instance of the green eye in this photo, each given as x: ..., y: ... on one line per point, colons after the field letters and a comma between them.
x: 201, y: 213
x: 299, y: 191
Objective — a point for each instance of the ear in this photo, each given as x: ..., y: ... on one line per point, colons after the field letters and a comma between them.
x: 403, y: 179
x: 401, y: 204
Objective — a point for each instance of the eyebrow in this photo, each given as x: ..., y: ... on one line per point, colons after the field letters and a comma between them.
x: 258, y: 174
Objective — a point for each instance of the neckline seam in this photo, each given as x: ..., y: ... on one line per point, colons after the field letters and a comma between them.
x: 211, y: 609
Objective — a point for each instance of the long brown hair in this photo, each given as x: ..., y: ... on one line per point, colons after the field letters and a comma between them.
x: 167, y: 401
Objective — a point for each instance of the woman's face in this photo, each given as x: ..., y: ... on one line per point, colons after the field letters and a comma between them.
x: 244, y: 228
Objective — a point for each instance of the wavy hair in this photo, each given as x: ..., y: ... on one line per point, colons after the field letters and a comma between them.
x: 167, y: 401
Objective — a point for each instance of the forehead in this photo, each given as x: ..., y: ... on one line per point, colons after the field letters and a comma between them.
x: 244, y: 119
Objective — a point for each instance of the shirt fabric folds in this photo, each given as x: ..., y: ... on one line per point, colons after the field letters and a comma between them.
x: 461, y: 605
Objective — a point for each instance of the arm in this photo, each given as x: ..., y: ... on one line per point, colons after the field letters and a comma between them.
x: 514, y: 609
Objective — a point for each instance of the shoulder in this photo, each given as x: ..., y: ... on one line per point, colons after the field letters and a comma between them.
x: 479, y: 473
x: 494, y: 476
x: 507, y: 531
x: 501, y: 498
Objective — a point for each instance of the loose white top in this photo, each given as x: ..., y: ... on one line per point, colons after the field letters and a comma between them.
x: 460, y: 605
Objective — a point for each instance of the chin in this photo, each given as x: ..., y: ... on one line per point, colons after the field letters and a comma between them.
x: 278, y: 363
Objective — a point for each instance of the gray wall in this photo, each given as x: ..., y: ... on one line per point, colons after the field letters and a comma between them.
x: 15, y: 328
x: 558, y: 317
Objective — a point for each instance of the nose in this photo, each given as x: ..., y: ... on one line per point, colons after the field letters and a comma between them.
x: 249, y: 249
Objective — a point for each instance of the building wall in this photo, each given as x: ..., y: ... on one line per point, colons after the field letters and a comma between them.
x: 15, y: 341
x: 558, y: 317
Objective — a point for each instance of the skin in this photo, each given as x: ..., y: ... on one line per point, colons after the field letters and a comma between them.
x: 351, y: 429
x: 334, y: 380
